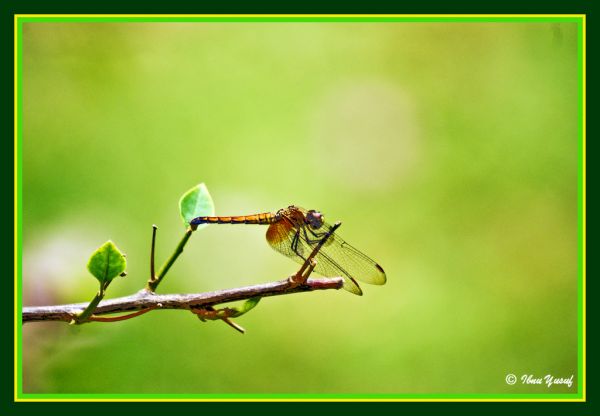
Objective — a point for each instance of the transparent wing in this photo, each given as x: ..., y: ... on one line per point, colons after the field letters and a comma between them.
x: 335, y: 258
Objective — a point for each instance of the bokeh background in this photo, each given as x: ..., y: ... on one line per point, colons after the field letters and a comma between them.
x: 448, y: 151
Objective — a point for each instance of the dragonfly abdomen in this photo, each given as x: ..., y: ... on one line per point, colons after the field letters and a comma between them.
x: 264, y: 218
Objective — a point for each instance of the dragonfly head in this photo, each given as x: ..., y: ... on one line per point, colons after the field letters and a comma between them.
x: 314, y: 219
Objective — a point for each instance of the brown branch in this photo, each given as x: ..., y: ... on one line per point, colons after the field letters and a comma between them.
x: 145, y: 299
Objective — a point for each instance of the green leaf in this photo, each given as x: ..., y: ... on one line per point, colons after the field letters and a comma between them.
x: 247, y: 306
x: 107, y: 262
x: 196, y: 202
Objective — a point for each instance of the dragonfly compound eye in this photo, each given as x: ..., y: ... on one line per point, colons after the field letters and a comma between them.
x: 314, y: 219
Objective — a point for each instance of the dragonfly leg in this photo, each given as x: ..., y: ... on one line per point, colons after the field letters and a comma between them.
x: 317, y: 240
x: 318, y: 235
x: 295, y: 241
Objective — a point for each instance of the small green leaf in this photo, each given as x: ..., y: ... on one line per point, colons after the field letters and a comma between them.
x: 196, y: 202
x: 107, y: 262
x: 247, y: 306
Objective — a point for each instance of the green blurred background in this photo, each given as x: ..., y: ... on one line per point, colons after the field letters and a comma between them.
x: 448, y: 151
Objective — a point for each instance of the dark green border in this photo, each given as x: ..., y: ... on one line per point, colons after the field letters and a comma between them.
x: 19, y: 174
x: 9, y: 7
x: 305, y: 19
x: 500, y: 397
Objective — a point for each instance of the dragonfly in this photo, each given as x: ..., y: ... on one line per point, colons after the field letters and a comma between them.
x: 295, y: 232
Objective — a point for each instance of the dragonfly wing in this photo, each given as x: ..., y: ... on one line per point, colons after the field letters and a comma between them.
x: 281, y: 236
x: 327, y: 267
x: 348, y: 259
x: 356, y: 263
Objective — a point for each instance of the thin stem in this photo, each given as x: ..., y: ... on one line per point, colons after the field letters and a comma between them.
x: 122, y: 317
x: 91, y: 307
x: 152, y: 275
x: 153, y: 284
x: 235, y: 326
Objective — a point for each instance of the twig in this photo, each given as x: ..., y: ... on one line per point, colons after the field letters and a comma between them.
x: 89, y: 309
x: 152, y: 274
x: 310, y: 263
x: 145, y: 299
x: 235, y: 326
x: 155, y: 281
x: 121, y: 317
